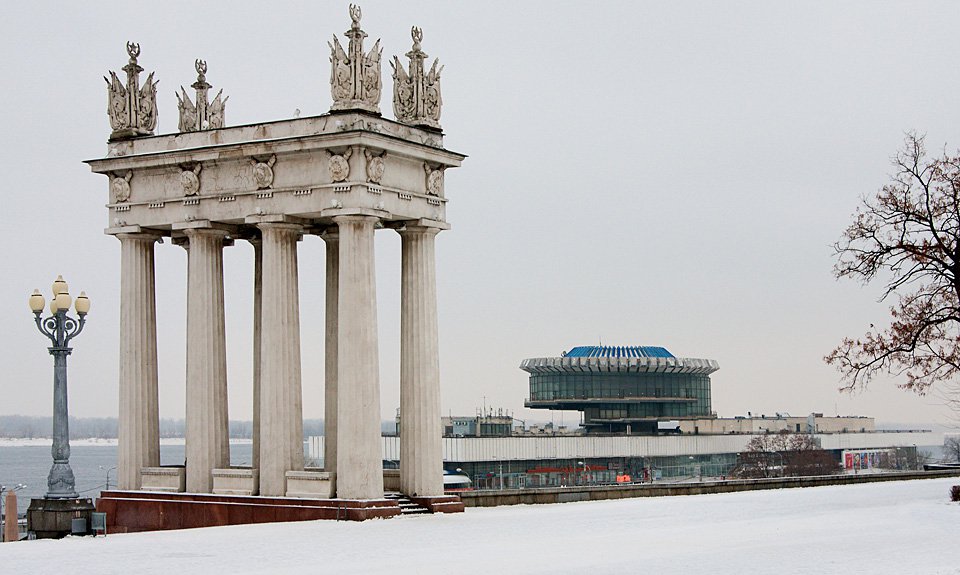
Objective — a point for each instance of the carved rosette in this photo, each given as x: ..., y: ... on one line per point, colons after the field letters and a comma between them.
x: 120, y: 187
x: 263, y: 172
x: 375, y: 166
x: 339, y: 166
x: 434, y: 180
x: 190, y: 181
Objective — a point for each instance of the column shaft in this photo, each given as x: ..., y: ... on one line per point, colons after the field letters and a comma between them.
x: 139, y: 423
x: 281, y: 403
x: 359, y: 459
x: 421, y: 455
x: 207, y: 434
x: 330, y: 348
x: 257, y: 338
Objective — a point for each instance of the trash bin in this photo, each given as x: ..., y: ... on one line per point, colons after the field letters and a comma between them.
x: 78, y: 526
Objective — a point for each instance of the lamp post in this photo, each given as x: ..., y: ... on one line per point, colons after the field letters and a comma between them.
x: 780, y: 455
x: 60, y: 329
x: 108, y: 470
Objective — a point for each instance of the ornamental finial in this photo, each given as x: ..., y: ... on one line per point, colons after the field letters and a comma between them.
x: 355, y: 76
x: 132, y: 109
x: 416, y: 95
x: 203, y: 115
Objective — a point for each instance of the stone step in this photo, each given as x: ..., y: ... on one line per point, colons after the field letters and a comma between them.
x: 407, y: 507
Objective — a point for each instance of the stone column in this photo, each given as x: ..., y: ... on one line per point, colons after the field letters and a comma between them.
x: 257, y: 244
x: 281, y: 403
x: 359, y: 461
x: 139, y: 424
x: 207, y: 434
x: 421, y: 455
x: 330, y: 344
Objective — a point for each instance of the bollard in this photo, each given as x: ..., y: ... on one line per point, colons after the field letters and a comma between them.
x: 11, y: 531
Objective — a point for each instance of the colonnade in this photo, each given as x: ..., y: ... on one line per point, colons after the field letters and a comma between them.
x: 352, y: 387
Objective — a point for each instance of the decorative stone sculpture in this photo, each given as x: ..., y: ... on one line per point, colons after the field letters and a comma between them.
x: 355, y: 76
x: 375, y: 166
x: 339, y: 166
x: 416, y: 95
x: 203, y: 115
x: 132, y: 109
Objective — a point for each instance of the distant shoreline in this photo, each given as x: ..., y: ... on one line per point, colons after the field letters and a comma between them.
x: 95, y: 442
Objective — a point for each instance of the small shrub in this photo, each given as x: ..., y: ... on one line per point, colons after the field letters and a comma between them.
x: 955, y: 493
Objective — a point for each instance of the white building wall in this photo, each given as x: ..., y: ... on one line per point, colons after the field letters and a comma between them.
x: 464, y: 449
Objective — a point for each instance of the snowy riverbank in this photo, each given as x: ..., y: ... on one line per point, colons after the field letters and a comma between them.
x: 897, y: 527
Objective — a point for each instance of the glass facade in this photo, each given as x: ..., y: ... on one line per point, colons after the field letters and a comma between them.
x: 522, y: 474
x: 606, y: 396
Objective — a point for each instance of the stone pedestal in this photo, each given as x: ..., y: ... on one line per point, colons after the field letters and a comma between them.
x: 129, y: 511
x: 170, y: 478
x: 311, y: 484
x: 236, y: 481
x: 53, y: 518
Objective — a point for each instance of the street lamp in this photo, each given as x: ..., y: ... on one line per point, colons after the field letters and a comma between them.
x: 60, y: 329
x: 780, y: 455
x: 108, y: 474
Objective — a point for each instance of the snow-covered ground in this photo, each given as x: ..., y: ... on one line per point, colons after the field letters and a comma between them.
x: 896, y: 527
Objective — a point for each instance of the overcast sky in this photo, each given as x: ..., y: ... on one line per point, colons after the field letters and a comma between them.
x: 639, y: 174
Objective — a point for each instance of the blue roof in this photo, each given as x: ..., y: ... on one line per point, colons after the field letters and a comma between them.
x: 618, y: 351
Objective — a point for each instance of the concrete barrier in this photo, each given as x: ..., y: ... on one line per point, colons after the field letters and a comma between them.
x: 493, y: 498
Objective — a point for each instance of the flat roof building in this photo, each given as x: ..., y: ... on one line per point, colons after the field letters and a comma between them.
x: 622, y: 389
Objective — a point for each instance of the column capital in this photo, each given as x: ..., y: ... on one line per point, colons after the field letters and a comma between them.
x: 203, y: 225
x: 356, y: 218
x: 186, y: 235
x: 257, y: 219
x: 132, y: 231
x: 418, y: 231
x: 420, y: 224
x: 141, y: 236
x: 281, y: 226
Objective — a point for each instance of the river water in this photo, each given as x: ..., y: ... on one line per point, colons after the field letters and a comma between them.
x: 29, y: 464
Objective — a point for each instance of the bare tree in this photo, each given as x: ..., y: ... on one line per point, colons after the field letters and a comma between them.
x: 784, y: 453
x: 951, y: 448
x: 908, y: 237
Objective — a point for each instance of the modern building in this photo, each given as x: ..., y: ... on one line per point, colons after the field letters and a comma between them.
x: 622, y: 389
x: 553, y: 461
x: 487, y: 425
x: 779, y: 422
